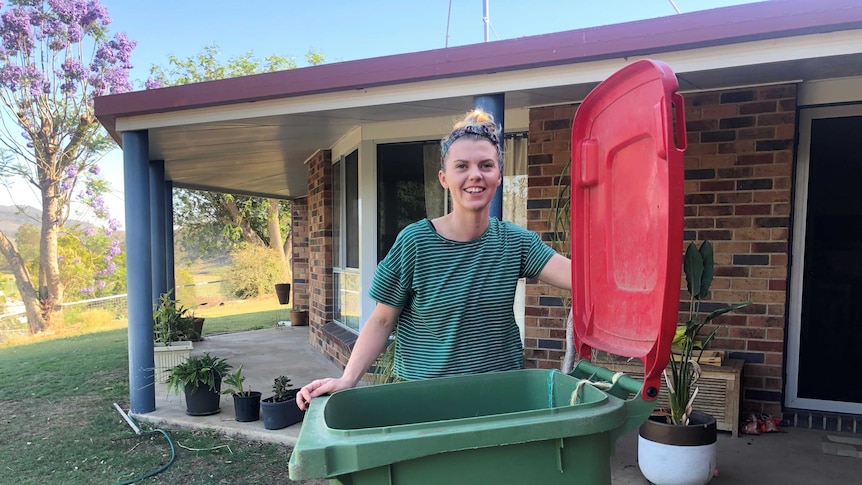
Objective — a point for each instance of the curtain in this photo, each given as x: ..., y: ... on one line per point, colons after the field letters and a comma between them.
x: 515, y: 180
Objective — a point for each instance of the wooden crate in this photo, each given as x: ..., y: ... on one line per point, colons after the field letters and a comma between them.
x: 709, y: 357
x: 719, y: 394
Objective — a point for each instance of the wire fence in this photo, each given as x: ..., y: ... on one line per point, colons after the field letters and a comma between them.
x: 15, y: 323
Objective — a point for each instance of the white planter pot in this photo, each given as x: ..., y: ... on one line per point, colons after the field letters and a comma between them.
x: 167, y: 356
x: 678, y: 455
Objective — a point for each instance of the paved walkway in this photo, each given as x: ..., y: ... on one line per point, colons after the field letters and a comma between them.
x: 794, y: 456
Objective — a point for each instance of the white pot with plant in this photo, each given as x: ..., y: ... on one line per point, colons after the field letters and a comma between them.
x: 172, y: 326
x: 683, y: 437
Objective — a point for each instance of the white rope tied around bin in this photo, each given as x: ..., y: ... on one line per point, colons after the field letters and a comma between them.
x: 604, y: 386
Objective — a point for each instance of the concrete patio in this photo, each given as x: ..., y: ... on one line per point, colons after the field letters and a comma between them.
x: 794, y: 456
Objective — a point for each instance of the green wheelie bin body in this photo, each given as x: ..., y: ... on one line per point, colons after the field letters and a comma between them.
x: 502, y: 427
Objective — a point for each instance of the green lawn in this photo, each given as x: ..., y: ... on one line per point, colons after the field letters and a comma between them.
x: 58, y: 423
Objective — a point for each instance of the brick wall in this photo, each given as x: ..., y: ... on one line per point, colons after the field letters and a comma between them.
x: 738, y: 186
x: 320, y: 297
x: 739, y: 169
x: 299, y: 229
x: 546, y: 307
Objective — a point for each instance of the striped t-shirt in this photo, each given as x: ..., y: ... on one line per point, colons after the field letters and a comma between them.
x: 457, y: 298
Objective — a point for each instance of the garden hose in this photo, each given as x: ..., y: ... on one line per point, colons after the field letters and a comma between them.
x: 139, y: 432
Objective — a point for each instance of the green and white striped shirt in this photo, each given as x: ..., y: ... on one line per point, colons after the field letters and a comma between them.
x: 457, y: 297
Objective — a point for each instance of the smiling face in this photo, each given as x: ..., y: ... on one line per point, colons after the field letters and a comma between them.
x: 471, y: 172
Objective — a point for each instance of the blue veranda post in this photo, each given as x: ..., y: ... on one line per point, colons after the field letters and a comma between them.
x: 142, y: 393
x: 495, y: 105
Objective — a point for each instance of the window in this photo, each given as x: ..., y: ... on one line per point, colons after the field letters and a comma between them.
x: 407, y: 189
x: 345, y: 239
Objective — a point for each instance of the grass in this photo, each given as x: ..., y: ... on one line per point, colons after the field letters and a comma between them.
x: 58, y: 423
x: 252, y: 314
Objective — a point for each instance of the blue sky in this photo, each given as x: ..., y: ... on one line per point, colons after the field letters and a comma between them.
x: 343, y: 30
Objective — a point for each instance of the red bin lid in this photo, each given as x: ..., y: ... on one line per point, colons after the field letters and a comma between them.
x: 627, y: 217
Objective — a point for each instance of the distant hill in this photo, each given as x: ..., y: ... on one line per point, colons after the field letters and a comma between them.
x: 11, y: 218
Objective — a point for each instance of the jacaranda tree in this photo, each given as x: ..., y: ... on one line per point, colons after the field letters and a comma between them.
x: 55, y: 57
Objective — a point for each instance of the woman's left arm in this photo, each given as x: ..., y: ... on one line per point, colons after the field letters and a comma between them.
x: 558, y: 272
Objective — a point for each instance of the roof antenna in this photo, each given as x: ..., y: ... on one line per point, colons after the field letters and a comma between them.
x: 672, y: 4
x: 485, y: 18
x: 448, y: 18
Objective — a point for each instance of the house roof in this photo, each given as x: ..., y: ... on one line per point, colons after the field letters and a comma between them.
x: 271, y: 123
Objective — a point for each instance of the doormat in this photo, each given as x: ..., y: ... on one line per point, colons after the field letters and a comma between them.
x: 842, y: 446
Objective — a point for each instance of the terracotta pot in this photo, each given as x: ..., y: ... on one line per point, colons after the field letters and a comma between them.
x: 298, y: 318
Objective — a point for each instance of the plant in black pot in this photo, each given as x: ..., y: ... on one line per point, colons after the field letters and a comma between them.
x: 280, y: 409
x: 246, y: 403
x: 684, y: 434
x: 200, y: 379
x: 172, y: 322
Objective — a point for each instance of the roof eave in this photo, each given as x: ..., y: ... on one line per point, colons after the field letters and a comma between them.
x: 743, y: 23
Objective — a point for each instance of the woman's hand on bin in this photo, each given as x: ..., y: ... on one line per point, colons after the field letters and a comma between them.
x: 320, y: 387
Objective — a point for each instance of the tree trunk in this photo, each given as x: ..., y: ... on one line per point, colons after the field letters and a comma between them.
x: 32, y: 306
x: 275, y: 240
x: 272, y: 224
x: 51, y: 289
x: 248, y: 233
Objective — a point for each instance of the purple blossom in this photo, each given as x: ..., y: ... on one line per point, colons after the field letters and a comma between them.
x: 123, y: 48
x: 95, y: 15
x: 89, y: 231
x: 74, y: 33
x: 72, y: 69
x: 76, y: 261
x: 17, y: 30
x: 100, y: 284
x: 94, y: 169
x: 152, y: 83
x: 10, y: 76
x: 113, y: 224
x: 66, y: 184
x: 67, y: 11
x: 88, y: 290
x: 115, y: 248
x: 60, y: 258
x: 71, y: 171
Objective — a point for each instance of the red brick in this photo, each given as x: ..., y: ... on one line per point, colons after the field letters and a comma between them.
x: 765, y: 346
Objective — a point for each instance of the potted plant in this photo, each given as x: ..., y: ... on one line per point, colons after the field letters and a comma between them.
x: 172, y: 327
x: 246, y: 403
x: 200, y: 379
x: 280, y: 409
x: 684, y: 434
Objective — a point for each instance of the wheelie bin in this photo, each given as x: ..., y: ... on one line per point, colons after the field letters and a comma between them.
x: 538, y: 425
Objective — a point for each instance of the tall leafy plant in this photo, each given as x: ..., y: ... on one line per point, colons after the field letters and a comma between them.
x: 699, y: 268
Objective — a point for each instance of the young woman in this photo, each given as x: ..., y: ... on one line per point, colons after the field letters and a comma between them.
x: 449, y: 283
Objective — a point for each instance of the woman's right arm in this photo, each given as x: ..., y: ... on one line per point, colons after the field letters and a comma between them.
x: 370, y: 343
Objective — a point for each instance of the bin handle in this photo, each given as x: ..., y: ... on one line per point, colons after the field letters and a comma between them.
x: 587, y: 370
x: 637, y: 408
